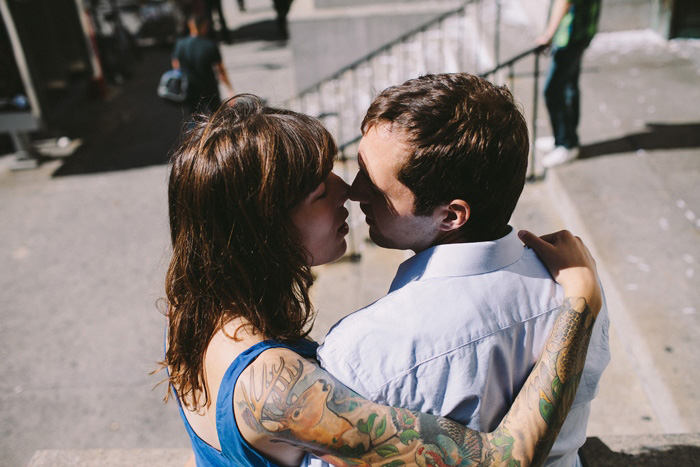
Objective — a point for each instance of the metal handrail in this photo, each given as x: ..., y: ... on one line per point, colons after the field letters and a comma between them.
x: 510, y: 64
x: 512, y: 61
x: 376, y: 52
x: 315, y: 92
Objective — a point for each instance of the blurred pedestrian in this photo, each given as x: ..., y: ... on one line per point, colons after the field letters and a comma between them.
x: 572, y: 24
x: 200, y: 60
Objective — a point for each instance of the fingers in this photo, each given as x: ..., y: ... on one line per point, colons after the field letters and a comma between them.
x: 562, y: 237
x: 539, y: 244
x: 559, y: 249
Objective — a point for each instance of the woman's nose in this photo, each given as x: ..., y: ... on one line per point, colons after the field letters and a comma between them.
x: 341, y: 188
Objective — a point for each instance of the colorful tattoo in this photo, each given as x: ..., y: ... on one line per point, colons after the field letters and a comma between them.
x: 294, y: 401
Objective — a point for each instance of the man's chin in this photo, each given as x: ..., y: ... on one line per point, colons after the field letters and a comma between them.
x: 380, y: 240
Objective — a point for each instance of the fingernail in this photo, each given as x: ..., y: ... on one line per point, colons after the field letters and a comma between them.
x: 522, y: 233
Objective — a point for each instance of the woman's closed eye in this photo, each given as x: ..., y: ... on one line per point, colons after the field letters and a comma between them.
x: 324, y: 191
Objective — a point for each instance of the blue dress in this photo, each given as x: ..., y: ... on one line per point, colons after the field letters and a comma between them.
x: 235, y: 450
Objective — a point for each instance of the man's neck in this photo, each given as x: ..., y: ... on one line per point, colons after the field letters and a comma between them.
x: 459, y: 236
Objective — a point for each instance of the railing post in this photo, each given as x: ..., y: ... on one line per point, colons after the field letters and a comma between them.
x: 535, y: 104
x: 511, y: 78
x: 461, y: 38
x: 497, y: 34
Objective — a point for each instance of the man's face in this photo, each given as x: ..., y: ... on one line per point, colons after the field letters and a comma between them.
x: 386, y: 202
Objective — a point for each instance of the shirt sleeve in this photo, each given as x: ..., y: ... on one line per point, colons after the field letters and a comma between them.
x: 339, y: 357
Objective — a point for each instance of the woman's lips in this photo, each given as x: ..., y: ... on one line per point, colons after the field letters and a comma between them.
x: 344, y: 228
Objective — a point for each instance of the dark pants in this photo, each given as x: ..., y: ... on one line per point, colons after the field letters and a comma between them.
x: 282, y: 8
x: 561, y: 93
x: 202, y: 101
x: 210, y: 7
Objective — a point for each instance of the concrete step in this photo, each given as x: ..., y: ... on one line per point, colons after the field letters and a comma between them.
x: 611, y: 451
x: 110, y: 457
x: 633, y: 197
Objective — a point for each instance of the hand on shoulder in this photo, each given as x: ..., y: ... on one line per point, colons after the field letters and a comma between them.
x: 570, y: 263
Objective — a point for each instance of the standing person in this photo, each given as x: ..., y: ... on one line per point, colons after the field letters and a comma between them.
x: 211, y: 6
x: 442, y: 164
x: 253, y: 205
x: 572, y: 25
x: 200, y: 60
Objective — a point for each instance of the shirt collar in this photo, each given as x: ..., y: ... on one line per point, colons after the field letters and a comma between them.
x: 459, y: 259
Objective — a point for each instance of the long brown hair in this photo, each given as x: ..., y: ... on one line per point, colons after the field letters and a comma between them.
x: 232, y: 184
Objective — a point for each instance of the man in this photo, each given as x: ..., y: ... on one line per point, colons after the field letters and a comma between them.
x: 442, y: 165
x: 200, y: 60
x: 572, y: 25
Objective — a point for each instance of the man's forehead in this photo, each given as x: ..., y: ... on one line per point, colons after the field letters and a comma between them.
x: 390, y: 130
x: 388, y: 145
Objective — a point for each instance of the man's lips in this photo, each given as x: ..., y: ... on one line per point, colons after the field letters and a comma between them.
x: 365, y: 210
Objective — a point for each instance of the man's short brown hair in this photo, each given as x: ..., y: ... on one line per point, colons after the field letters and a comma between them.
x: 469, y: 141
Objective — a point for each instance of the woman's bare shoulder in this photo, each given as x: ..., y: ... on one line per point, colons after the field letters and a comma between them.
x: 262, y: 402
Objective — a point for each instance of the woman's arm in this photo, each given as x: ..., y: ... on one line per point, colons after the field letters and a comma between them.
x: 284, y: 398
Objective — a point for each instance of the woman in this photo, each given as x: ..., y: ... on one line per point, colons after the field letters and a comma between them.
x: 253, y: 205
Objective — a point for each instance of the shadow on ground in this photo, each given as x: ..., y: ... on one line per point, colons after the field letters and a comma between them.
x: 265, y: 30
x: 658, y: 136
x: 131, y: 128
x: 595, y: 453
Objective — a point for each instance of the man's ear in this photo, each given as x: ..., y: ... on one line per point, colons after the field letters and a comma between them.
x: 454, y: 215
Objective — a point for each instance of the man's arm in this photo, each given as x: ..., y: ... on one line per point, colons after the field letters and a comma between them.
x: 283, y: 398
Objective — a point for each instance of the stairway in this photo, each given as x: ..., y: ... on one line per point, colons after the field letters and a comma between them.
x: 462, y: 38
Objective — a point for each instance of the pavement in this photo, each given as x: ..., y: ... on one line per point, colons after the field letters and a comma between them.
x: 84, y: 241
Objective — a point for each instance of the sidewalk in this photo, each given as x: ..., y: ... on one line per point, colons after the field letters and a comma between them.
x: 86, y: 245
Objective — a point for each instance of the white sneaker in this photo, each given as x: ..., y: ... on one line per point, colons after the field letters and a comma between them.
x: 544, y: 144
x: 560, y: 155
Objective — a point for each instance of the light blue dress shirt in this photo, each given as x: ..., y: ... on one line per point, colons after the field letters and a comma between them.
x: 458, y: 334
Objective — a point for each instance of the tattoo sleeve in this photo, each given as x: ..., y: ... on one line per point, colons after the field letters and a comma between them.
x: 285, y: 398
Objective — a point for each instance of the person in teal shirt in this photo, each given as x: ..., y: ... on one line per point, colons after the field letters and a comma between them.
x: 572, y: 25
x: 200, y: 60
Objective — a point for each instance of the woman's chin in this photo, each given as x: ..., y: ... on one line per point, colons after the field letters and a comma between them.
x: 335, y: 256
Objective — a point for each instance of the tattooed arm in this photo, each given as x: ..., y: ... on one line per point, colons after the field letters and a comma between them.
x: 282, y: 398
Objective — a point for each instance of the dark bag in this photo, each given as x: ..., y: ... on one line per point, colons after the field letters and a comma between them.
x: 173, y: 86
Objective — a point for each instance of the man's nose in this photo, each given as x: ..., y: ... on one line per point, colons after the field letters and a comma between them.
x: 358, y: 189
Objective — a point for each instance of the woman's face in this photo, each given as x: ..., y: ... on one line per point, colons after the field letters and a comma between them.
x: 320, y: 221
